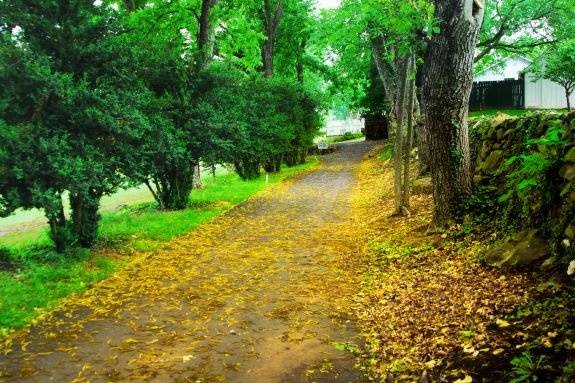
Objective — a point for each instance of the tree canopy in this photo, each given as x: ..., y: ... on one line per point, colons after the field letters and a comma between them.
x: 100, y: 96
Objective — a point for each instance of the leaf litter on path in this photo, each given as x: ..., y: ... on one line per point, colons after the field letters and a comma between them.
x: 261, y: 294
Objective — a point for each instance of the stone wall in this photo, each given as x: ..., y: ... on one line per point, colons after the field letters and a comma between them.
x: 525, y: 181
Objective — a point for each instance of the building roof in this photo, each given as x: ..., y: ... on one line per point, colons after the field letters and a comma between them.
x: 511, y: 69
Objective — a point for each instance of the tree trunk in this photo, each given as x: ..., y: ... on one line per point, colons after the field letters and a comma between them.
x: 271, y: 19
x: 268, y: 58
x: 248, y: 169
x: 85, y: 217
x: 568, y: 95
x: 448, y: 79
x: 389, y: 83
x: 409, y: 142
x: 205, y: 54
x: 206, y: 35
x: 197, y: 183
x: 59, y: 230
x: 404, y: 68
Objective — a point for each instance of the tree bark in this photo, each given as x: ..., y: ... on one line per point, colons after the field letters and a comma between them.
x: 448, y: 79
x: 409, y: 143
x: 206, y: 37
x: 271, y: 19
x: 85, y: 217
x: 206, y: 42
x: 404, y: 68
x: 59, y: 231
x: 197, y: 179
x: 389, y: 83
x: 568, y: 96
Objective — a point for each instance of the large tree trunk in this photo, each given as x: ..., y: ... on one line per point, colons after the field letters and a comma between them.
x: 568, y: 96
x: 447, y: 87
x: 271, y: 19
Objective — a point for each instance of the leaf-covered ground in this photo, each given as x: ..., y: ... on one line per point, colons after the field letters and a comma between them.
x: 262, y: 294
x: 314, y: 281
x: 431, y: 311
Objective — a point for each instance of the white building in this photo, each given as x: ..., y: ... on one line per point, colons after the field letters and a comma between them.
x: 334, y: 127
x: 512, y: 69
x: 545, y: 94
x: 538, y: 93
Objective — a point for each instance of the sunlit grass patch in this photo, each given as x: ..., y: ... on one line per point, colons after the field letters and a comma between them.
x: 510, y: 112
x: 348, y: 136
x: 387, y: 153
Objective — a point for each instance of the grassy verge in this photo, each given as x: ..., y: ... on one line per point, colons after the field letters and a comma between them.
x: 34, y: 278
x: 510, y: 112
x: 346, y: 137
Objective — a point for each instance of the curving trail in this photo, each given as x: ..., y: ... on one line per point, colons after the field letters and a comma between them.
x: 262, y: 294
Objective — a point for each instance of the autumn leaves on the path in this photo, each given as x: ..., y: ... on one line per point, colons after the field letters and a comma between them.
x: 262, y: 294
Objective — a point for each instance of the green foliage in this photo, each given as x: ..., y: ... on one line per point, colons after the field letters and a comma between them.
x: 527, y: 171
x: 558, y: 65
x: 493, y: 112
x: 374, y: 103
x: 523, y: 172
x: 347, y: 136
x: 382, y: 253
x: 92, y: 102
x: 6, y: 261
x: 513, y: 27
x: 66, y: 112
x: 527, y: 368
x: 387, y: 153
x: 349, y: 32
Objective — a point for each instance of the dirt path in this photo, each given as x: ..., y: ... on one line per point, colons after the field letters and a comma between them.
x: 259, y: 295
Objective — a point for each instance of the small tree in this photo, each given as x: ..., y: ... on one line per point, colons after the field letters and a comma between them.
x: 68, y: 112
x: 559, y: 66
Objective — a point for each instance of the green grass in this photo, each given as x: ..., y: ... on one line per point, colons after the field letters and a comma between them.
x: 387, y: 153
x: 39, y: 277
x: 511, y: 112
x: 346, y: 137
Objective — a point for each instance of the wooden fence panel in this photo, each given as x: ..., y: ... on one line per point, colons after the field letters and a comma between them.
x: 507, y: 94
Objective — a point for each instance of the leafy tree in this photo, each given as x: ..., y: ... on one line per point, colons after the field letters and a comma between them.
x: 515, y: 26
x: 362, y: 37
x: 67, y: 111
x: 250, y: 136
